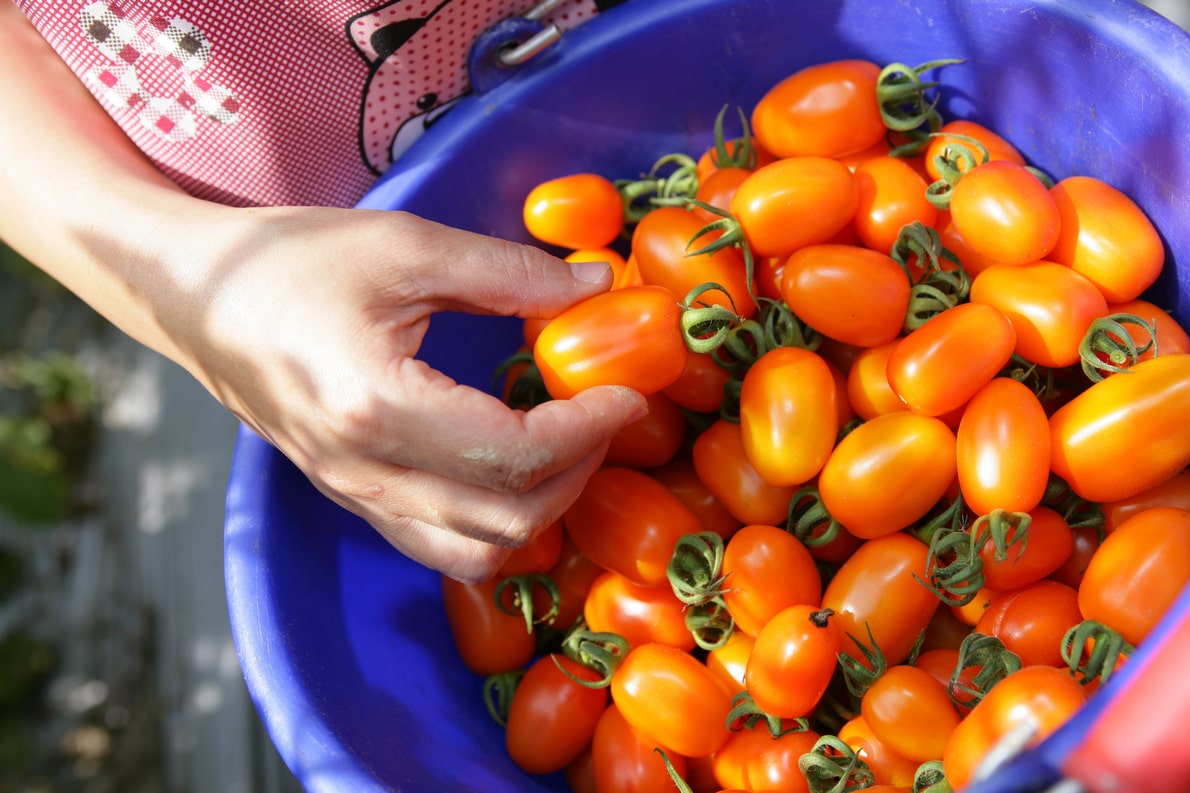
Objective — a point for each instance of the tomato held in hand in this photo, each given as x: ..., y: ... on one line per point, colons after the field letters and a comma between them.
x: 1004, y: 212
x: 552, y: 718
x: 788, y: 415
x: 792, y: 661
x: 582, y: 210
x: 629, y: 336
x: 1125, y: 434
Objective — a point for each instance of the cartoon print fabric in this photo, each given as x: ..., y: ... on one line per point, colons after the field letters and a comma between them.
x: 264, y: 103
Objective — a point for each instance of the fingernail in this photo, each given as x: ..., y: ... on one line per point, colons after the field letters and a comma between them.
x: 590, y: 272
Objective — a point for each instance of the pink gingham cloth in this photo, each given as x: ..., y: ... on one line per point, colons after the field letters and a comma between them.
x: 260, y: 102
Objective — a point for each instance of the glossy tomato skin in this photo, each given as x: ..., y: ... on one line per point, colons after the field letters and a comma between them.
x: 625, y: 761
x: 891, y: 195
x: 573, y: 573
x: 1173, y: 492
x: 878, y: 588
x: 1032, y: 620
x: 767, y: 570
x: 789, y: 415
x: 1112, y: 421
x: 582, y: 210
x: 652, y: 440
x: 723, y: 467
x: 1050, y: 307
x: 911, y: 712
x: 1002, y: 447
x: 1005, y: 213
x: 552, y: 718
x: 489, y: 641
x: 888, y: 472
x: 868, y: 390
x: 826, y: 109
x: 1172, y: 338
x: 662, y: 244
x: 671, y: 697
x: 682, y: 479
x: 627, y: 521
x: 888, y: 767
x: 1138, y: 572
x: 1050, y: 543
x: 640, y: 614
x: 1042, y: 696
x: 792, y: 661
x: 754, y: 760
x: 851, y: 294
x: 629, y: 336
x: 791, y: 203
x: 700, y: 386
x: 997, y: 146
x: 938, y: 367
x: 729, y: 662
x: 1106, y: 237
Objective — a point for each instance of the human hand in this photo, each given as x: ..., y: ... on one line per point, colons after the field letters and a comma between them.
x: 307, y: 328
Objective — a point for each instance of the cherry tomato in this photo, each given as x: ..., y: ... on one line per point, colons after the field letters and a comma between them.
x: 1106, y: 237
x: 868, y: 389
x: 663, y: 244
x: 1172, y: 338
x: 629, y: 336
x: 700, y: 386
x: 754, y: 760
x: 729, y: 662
x: 573, y: 573
x: 853, y: 295
x: 941, y: 664
x: 640, y: 614
x: 1124, y: 435
x: 682, y: 480
x: 717, y: 190
x: 671, y: 697
x: 973, y: 261
x: 581, y: 210
x: 1032, y: 620
x: 888, y: 472
x: 1173, y: 492
x: 767, y: 570
x: 1086, y: 542
x: 580, y: 773
x: 891, y: 196
x: 888, y: 767
x: 910, y: 711
x: 879, y: 588
x: 723, y: 467
x: 538, y: 555
x: 793, y: 660
x: 1050, y: 542
x: 1043, y: 697
x: 489, y: 640
x: 650, y: 441
x: 1050, y: 306
x: 1138, y: 572
x: 938, y: 367
x: 552, y: 718
x: 1005, y: 213
x: 627, y: 521
x: 827, y: 109
x: 788, y: 415
x: 625, y: 761
x: 1002, y: 448
x: 795, y: 202
x: 998, y: 147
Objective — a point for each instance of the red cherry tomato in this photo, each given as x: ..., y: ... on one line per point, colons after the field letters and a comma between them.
x: 1032, y: 620
x: 792, y: 661
x: 1050, y: 542
x: 700, y: 386
x: 582, y: 210
x: 640, y: 614
x: 754, y: 760
x: 489, y: 640
x: 650, y: 441
x: 552, y: 718
x: 682, y: 479
x: 538, y: 555
x: 625, y: 761
x: 888, y: 767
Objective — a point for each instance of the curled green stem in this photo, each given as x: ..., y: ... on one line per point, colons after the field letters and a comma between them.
x: 600, y: 651
x: 901, y: 93
x: 672, y: 181
x: 993, y: 661
x: 931, y: 778
x: 860, y: 675
x: 1108, y: 348
x: 521, y: 601
x: 497, y: 694
x: 710, y: 623
x: 695, y: 569
x: 745, y: 714
x: 832, y: 766
x: 1093, y: 650
x: 961, y: 154
x: 743, y: 154
x: 808, y: 519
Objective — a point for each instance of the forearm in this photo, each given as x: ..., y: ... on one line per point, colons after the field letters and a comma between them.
x: 79, y: 200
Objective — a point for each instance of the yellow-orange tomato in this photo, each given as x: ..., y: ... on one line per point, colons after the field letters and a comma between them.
x: 868, y: 389
x: 767, y: 570
x: 581, y: 210
x: 888, y: 767
x: 1005, y: 213
x: 1106, y: 237
x: 911, y: 712
x: 891, y: 195
x: 788, y: 415
x: 729, y: 661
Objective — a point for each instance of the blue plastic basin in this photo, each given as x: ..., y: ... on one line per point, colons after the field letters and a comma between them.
x: 339, y: 635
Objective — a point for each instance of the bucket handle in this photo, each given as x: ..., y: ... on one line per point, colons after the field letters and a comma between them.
x: 498, y: 52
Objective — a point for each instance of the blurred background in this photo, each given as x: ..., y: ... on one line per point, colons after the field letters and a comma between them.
x: 117, y: 668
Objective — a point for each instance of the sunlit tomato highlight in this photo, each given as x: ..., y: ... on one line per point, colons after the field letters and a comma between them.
x: 582, y: 210
x: 1005, y: 213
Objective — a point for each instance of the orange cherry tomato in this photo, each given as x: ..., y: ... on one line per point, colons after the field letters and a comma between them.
x: 627, y: 521
x: 723, y: 467
x: 788, y: 415
x: 1173, y: 492
x: 1050, y: 306
x: 717, y: 190
x: 700, y: 386
x: 640, y: 614
x: 1002, y: 448
x: 1043, y: 697
x: 489, y: 640
x: 1106, y: 237
x: 682, y: 480
x: 910, y: 711
x: 1138, y: 572
x: 663, y: 243
x: 625, y: 760
x: 891, y: 195
x: 729, y: 661
x: 868, y: 389
x: 629, y: 336
x: 793, y: 660
x: 1172, y: 338
x: 973, y: 261
x: 853, y: 295
x: 888, y: 472
x: 888, y: 767
x: 582, y: 210
x: 827, y: 109
x: 1032, y: 620
x: 755, y: 760
x: 652, y: 440
x: 998, y: 147
x: 941, y: 664
x: 1049, y: 543
x: 552, y: 718
x: 1124, y: 435
x: 878, y: 589
x: 671, y: 697
x: 938, y: 367
x: 795, y: 202
x: 767, y: 570
x: 1005, y: 213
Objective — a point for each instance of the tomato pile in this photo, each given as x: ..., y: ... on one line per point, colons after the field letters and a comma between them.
x: 914, y: 474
